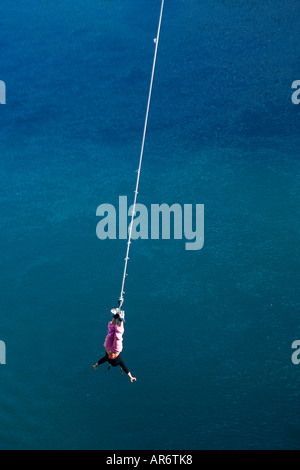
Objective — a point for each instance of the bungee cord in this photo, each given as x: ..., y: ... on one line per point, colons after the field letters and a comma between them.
x: 156, y: 40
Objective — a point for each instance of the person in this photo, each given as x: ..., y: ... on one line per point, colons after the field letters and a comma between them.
x: 114, y: 344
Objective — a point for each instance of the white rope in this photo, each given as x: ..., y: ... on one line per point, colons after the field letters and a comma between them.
x: 121, y: 300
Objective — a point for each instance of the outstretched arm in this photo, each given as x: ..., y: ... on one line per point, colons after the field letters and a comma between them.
x: 123, y: 366
x: 132, y: 379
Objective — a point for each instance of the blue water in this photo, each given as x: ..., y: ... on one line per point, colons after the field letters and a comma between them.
x: 208, y: 333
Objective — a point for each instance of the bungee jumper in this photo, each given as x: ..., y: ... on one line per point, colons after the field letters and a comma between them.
x: 114, y: 344
x: 114, y: 340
